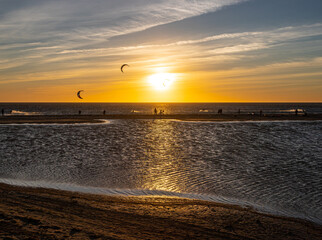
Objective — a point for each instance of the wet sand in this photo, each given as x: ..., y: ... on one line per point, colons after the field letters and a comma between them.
x: 37, y: 213
x: 65, y: 119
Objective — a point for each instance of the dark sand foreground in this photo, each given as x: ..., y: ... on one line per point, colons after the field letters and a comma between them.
x: 65, y: 119
x: 34, y: 213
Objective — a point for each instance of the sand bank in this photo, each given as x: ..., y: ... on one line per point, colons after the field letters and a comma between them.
x: 38, y: 213
x: 65, y: 119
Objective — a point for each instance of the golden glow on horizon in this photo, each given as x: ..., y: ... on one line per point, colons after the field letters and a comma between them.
x: 162, y: 81
x: 193, y: 65
x: 148, y: 82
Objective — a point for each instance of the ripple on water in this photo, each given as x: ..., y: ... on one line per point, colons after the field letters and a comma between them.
x: 271, y: 165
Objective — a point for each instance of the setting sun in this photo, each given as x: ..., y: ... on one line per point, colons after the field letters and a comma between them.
x: 162, y: 81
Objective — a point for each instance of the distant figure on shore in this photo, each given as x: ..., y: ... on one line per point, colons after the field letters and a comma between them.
x: 238, y: 111
x: 296, y: 112
x: 155, y: 111
x: 2, y: 112
x: 79, y: 112
x: 104, y: 112
x: 260, y: 113
x: 219, y: 111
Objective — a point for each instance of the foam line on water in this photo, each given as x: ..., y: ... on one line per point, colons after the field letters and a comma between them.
x: 246, y: 121
x: 103, y: 122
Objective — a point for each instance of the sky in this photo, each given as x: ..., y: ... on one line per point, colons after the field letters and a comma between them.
x: 177, y: 50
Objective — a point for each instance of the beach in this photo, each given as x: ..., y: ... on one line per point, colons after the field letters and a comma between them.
x: 170, y: 176
x: 161, y: 119
x: 71, y: 119
x: 39, y: 213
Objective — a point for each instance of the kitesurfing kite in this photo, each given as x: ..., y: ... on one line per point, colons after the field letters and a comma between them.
x: 164, y: 82
x: 78, y: 94
x: 123, y: 67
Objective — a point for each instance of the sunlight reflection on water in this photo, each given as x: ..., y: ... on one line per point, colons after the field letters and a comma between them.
x: 273, y: 164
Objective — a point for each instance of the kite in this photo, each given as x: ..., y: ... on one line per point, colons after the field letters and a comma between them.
x: 78, y: 94
x: 123, y: 67
x: 164, y: 82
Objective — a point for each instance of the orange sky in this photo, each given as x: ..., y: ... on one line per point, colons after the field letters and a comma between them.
x: 212, y: 53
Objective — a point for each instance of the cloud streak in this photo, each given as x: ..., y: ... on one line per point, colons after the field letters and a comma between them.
x: 39, y: 29
x: 63, y: 42
x: 99, y: 19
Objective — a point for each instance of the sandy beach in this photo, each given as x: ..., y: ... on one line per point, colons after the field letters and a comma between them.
x: 65, y: 119
x: 161, y: 119
x: 39, y: 213
x: 36, y: 213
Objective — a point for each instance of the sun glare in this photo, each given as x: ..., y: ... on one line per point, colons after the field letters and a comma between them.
x: 161, y: 81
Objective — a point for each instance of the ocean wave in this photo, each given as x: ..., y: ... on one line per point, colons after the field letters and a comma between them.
x: 102, y: 122
x: 204, y: 110
x: 22, y: 113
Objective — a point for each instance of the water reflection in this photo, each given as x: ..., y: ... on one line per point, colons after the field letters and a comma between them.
x: 274, y: 164
x: 163, y: 163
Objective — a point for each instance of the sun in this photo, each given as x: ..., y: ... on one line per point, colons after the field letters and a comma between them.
x: 161, y: 81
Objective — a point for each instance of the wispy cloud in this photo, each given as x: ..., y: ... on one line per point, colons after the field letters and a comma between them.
x: 40, y: 29
x: 70, y: 41
x: 225, y: 48
x: 97, y: 19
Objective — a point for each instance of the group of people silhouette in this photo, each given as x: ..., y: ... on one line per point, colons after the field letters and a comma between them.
x: 161, y: 112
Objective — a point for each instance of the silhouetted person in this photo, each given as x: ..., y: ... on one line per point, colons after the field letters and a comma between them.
x: 296, y: 112
x: 79, y: 112
x: 104, y: 112
x: 238, y: 111
x: 155, y: 111
x: 220, y: 111
x: 2, y: 112
x: 260, y: 113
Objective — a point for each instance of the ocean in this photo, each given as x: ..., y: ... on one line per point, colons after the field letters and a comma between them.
x: 147, y: 108
x: 272, y: 166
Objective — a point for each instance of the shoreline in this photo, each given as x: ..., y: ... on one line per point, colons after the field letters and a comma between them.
x: 72, y: 119
x: 155, y: 193
x: 49, y: 213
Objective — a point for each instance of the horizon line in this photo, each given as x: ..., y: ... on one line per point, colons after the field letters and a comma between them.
x: 172, y: 102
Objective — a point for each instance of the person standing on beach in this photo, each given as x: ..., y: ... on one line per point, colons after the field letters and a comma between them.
x: 79, y: 112
x: 104, y: 112
x: 155, y: 111
x: 2, y: 112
